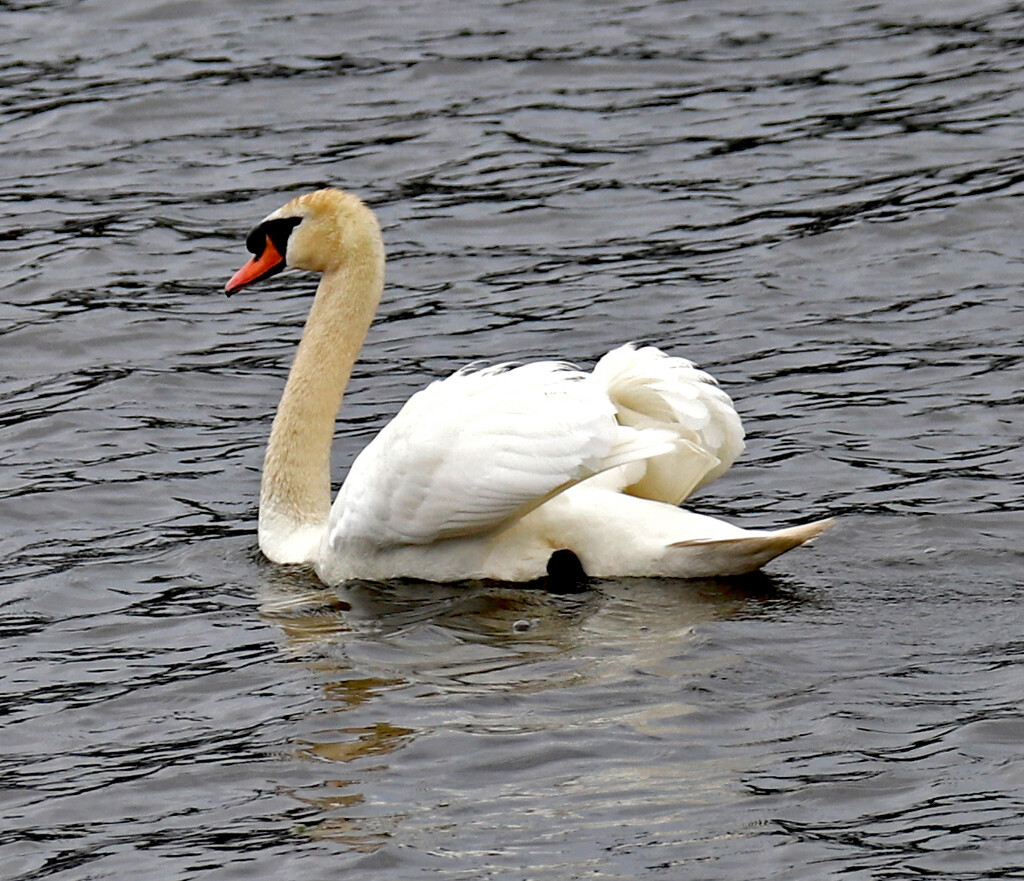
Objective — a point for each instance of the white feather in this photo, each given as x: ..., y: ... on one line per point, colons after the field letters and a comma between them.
x: 650, y: 390
x: 480, y: 449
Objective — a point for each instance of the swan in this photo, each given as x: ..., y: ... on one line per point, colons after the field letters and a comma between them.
x: 490, y: 473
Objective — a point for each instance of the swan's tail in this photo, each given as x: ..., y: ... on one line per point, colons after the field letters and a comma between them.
x: 742, y: 554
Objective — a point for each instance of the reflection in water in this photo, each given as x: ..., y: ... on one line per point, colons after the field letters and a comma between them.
x: 474, y: 642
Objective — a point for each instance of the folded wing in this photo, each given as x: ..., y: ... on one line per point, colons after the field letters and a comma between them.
x: 478, y: 450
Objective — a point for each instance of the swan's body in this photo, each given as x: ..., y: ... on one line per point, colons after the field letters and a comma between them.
x: 486, y: 474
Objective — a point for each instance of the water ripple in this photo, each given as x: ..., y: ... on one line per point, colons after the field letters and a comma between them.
x: 820, y: 206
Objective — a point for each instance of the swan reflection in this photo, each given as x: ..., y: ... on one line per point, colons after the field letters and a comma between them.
x: 409, y: 672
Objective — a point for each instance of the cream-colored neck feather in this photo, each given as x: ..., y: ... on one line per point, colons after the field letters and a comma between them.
x: 295, y: 496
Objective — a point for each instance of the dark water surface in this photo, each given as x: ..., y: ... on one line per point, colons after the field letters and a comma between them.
x: 821, y: 203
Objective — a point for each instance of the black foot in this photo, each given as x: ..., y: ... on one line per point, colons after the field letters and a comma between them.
x: 565, y: 573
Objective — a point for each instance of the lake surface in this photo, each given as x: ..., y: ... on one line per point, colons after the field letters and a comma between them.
x: 819, y: 203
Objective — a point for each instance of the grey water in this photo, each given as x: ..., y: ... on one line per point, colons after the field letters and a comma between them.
x: 821, y: 203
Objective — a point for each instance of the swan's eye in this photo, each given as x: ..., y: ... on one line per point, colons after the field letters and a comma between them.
x: 276, y: 230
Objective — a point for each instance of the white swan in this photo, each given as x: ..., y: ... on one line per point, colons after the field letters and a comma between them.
x: 486, y: 474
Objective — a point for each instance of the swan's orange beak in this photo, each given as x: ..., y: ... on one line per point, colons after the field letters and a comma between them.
x: 269, y: 263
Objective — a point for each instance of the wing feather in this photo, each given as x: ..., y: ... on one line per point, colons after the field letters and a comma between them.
x: 479, y: 449
x: 651, y: 390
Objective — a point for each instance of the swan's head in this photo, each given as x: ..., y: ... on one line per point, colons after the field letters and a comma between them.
x: 320, y: 231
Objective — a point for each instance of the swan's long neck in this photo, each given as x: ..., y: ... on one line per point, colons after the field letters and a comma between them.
x: 295, y: 496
